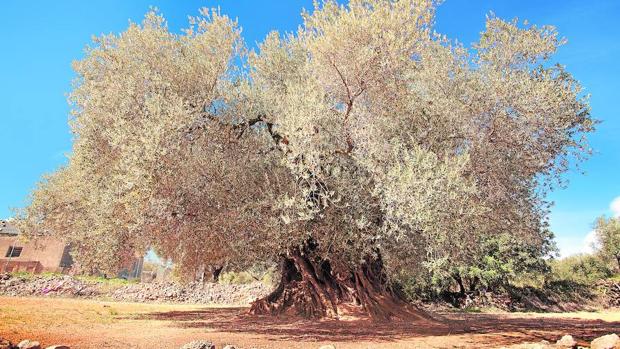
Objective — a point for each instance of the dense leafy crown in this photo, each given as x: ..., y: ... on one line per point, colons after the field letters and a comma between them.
x: 607, y: 235
x: 363, y: 133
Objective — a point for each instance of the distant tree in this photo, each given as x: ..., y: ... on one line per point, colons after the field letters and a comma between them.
x: 608, y: 236
x: 492, y: 262
x: 362, y: 146
x: 499, y: 259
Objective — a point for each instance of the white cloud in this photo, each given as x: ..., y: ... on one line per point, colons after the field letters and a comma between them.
x: 615, y: 207
x: 577, y: 245
x: 590, y: 243
x: 570, y: 245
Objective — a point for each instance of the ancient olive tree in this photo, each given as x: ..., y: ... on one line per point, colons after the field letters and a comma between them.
x: 358, y: 148
x: 405, y: 146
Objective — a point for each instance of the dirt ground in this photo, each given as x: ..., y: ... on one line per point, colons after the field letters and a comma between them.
x: 98, y: 324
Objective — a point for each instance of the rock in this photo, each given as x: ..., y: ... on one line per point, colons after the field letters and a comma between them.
x: 566, y: 342
x: 58, y: 347
x: 4, y: 343
x: 28, y: 344
x: 609, y: 341
x: 328, y: 346
x: 198, y: 345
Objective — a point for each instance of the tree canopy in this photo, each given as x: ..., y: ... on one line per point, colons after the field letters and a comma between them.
x: 608, y: 236
x: 363, y: 145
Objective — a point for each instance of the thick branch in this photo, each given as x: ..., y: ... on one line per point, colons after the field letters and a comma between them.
x: 242, y: 127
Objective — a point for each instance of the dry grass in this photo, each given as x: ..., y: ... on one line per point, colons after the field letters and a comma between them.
x: 98, y: 324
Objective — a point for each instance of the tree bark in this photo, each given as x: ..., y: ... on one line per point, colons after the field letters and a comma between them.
x: 312, y: 288
x: 474, y: 284
x: 216, y: 272
x: 459, y: 281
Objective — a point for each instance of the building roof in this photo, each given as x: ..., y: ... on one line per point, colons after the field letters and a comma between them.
x: 6, y: 228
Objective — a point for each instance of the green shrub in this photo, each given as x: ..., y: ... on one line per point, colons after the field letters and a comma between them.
x: 584, y: 269
x: 233, y: 277
x: 264, y: 274
x: 23, y: 275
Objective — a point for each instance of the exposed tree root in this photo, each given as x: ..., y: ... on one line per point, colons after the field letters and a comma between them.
x: 309, y: 287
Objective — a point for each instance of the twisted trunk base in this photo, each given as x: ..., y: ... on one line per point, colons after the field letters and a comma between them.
x: 311, y: 288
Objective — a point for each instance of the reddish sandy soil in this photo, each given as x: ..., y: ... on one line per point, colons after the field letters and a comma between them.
x: 97, y: 324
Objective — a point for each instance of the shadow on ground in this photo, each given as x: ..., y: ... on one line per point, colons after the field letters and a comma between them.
x: 501, y: 329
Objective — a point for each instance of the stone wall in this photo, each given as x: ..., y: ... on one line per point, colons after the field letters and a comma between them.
x: 156, y: 292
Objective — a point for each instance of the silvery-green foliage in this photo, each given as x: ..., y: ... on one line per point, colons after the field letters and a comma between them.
x: 365, y: 133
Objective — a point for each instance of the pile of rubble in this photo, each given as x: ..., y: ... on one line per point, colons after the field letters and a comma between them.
x: 41, y: 285
x: 194, y: 293
x: 170, y: 292
x: 610, y: 292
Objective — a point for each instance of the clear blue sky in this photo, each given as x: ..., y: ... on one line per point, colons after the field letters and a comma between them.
x: 39, y: 39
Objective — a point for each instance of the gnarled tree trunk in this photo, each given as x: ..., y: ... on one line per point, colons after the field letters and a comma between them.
x: 216, y: 271
x: 313, y: 288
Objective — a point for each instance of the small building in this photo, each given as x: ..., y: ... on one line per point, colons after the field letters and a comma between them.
x: 45, y: 254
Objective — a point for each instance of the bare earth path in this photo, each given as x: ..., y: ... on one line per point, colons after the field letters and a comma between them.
x: 97, y: 324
